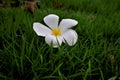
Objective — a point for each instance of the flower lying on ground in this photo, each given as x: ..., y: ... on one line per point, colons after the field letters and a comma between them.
x: 56, y: 34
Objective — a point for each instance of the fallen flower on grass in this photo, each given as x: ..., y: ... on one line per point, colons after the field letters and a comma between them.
x: 56, y: 34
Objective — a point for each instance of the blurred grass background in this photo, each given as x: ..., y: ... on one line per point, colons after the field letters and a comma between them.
x: 96, y: 55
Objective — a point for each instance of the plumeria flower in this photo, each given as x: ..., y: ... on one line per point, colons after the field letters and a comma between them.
x: 56, y: 34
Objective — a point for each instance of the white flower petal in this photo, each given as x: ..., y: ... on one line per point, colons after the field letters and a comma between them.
x: 70, y: 36
x: 41, y: 30
x: 51, y: 20
x: 67, y: 23
x: 54, y: 41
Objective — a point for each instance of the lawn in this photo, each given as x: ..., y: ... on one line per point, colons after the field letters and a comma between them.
x: 95, y: 56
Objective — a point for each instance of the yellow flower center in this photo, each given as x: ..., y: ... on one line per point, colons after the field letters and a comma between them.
x: 56, y: 32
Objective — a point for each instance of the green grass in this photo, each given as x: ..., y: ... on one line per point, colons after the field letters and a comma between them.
x: 95, y: 56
